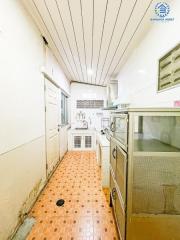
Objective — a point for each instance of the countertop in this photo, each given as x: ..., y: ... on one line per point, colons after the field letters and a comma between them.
x: 82, y: 130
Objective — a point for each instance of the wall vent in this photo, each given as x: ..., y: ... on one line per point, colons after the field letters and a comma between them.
x: 90, y: 103
x: 169, y: 69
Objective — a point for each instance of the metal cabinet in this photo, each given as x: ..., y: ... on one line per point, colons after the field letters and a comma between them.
x: 121, y: 174
x: 113, y: 154
x: 153, y: 200
x: 120, y: 217
x: 118, y: 184
x: 145, y: 180
x: 112, y: 188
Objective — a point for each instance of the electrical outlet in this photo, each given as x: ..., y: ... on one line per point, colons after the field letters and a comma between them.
x: 177, y: 103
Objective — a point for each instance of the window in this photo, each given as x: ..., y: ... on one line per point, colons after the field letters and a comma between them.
x: 90, y: 103
x: 64, y: 109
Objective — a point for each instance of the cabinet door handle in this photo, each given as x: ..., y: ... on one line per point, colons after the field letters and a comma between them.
x: 114, y: 152
x: 114, y: 193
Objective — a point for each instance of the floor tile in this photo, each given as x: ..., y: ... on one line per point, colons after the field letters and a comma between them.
x: 86, y: 214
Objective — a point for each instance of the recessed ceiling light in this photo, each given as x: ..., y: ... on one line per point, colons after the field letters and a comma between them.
x: 142, y: 71
x: 90, y: 71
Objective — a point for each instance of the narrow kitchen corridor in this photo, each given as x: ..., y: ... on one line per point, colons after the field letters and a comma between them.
x: 90, y: 120
x: 86, y: 214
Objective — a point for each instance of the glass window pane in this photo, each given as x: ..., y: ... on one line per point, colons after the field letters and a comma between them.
x: 64, y: 109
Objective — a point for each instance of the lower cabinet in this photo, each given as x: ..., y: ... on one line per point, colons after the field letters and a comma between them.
x: 118, y: 208
x: 112, y: 188
x: 118, y: 175
x: 148, y: 207
x: 81, y: 140
x: 121, y: 171
x: 120, y: 217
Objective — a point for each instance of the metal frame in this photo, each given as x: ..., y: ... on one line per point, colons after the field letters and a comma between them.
x: 112, y: 121
x: 158, y: 71
x: 145, y: 217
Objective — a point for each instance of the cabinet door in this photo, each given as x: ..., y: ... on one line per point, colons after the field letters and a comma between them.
x: 120, y: 217
x: 121, y: 129
x: 121, y: 163
x: 112, y: 188
x: 77, y: 142
x: 113, y: 155
x: 88, y: 141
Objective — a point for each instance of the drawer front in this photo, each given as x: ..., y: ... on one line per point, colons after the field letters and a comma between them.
x: 120, y: 217
x: 121, y: 164
x: 113, y: 155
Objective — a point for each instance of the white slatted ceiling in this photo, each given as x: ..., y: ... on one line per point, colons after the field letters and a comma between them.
x: 87, y: 7
x: 131, y: 20
x: 90, y: 34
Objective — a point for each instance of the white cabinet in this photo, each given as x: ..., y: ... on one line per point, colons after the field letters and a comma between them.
x: 105, y: 172
x: 81, y: 140
x: 103, y: 158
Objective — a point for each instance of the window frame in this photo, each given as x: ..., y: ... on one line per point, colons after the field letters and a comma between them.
x: 64, y: 109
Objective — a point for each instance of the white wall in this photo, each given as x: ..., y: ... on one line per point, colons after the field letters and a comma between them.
x: 21, y: 82
x: 56, y: 73
x: 22, y: 116
x: 88, y: 92
x: 138, y: 77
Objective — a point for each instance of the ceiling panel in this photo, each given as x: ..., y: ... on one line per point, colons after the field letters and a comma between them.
x: 131, y: 21
x: 91, y: 38
x: 112, y: 16
x: 126, y: 8
x: 55, y: 10
x: 88, y: 22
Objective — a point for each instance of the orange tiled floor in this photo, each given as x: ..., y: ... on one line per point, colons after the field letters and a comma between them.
x: 86, y: 214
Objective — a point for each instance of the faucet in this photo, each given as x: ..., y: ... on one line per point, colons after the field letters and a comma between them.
x: 85, y: 124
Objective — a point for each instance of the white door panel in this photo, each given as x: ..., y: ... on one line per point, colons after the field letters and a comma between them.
x: 52, y: 121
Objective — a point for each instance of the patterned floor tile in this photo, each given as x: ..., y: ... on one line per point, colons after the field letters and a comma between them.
x: 86, y: 214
